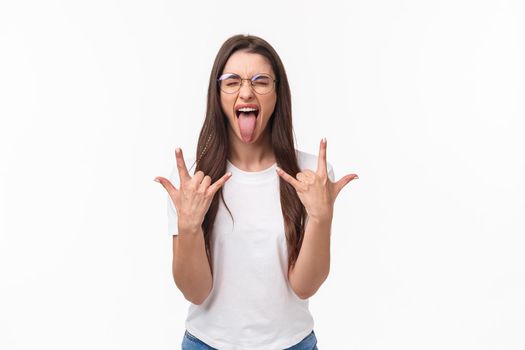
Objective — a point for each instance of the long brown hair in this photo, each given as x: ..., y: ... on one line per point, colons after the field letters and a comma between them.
x: 213, y: 144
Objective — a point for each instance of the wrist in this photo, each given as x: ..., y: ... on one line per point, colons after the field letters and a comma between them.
x: 321, y: 219
x: 189, y: 229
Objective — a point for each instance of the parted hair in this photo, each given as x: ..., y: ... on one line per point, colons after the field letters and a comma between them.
x: 213, y: 142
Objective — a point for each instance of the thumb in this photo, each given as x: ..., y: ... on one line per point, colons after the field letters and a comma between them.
x: 343, y: 182
x: 168, y: 186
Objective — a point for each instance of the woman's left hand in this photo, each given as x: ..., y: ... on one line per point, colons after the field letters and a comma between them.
x: 315, y: 190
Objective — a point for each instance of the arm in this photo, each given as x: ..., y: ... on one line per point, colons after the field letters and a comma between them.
x: 313, y: 263
x: 187, y: 208
x: 191, y: 269
x: 317, y: 192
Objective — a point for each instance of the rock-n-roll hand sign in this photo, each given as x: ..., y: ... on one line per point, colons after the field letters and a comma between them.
x: 315, y: 190
x: 194, y: 196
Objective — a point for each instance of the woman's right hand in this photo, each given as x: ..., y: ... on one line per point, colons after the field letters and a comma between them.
x: 194, y: 196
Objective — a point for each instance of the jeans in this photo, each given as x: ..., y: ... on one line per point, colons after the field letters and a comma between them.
x: 191, y: 342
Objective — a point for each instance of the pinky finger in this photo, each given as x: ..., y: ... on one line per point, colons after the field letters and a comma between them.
x: 218, y: 184
x: 288, y: 178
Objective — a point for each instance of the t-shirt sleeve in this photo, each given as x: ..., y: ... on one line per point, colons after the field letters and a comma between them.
x: 330, y: 169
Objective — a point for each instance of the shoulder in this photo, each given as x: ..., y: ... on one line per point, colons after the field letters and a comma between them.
x: 309, y: 161
x: 306, y: 160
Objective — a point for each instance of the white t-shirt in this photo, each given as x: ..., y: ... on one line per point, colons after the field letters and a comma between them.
x: 251, y: 305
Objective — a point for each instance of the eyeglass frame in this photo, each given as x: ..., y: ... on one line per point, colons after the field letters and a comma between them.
x: 251, y: 82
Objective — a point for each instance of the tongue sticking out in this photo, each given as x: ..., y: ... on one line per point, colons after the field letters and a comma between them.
x: 247, y: 125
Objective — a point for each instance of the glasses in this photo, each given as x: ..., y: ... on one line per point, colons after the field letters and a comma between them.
x: 262, y: 83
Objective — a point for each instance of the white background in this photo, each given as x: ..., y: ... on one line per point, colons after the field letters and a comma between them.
x: 423, y: 99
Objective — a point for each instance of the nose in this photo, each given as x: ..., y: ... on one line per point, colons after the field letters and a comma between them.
x: 246, y: 92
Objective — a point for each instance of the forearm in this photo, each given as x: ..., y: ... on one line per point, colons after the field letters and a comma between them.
x: 191, y: 270
x: 313, y: 263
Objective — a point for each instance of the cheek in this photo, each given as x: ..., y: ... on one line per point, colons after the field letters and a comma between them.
x: 227, y: 106
x: 269, y: 106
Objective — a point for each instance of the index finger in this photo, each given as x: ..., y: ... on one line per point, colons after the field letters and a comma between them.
x: 321, y: 161
x: 181, y: 166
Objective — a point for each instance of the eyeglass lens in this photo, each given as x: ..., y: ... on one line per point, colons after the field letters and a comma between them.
x: 261, y: 83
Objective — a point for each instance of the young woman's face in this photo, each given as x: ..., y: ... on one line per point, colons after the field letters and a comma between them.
x: 247, y: 128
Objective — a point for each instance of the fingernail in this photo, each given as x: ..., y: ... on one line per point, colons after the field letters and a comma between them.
x: 277, y: 168
x: 324, y: 139
x: 177, y: 150
x: 156, y: 180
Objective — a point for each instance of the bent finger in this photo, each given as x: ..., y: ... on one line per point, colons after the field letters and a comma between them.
x: 300, y: 176
x: 197, y: 179
x: 205, y: 183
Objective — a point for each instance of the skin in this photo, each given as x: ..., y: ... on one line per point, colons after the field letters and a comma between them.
x: 317, y: 193
x: 192, y: 199
x: 315, y: 190
x: 257, y: 154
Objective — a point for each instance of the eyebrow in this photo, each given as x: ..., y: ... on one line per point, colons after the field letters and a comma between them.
x: 259, y: 74
x: 228, y: 75
x: 225, y: 75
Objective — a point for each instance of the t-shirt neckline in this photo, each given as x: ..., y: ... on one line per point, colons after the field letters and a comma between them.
x: 251, y: 176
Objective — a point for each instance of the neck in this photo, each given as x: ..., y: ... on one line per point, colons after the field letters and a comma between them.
x: 254, y: 156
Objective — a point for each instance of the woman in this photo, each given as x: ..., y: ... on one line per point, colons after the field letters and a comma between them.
x: 251, y: 243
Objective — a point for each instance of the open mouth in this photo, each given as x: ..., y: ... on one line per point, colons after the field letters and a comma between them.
x: 247, y: 120
x: 247, y: 111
